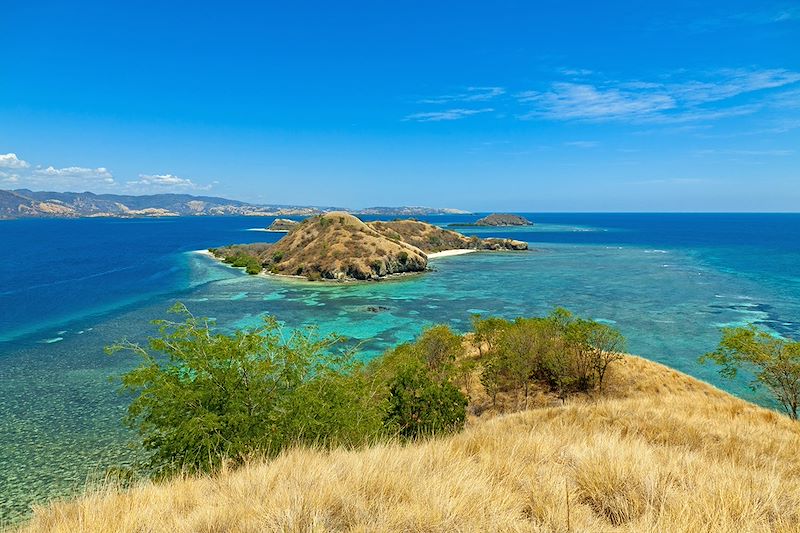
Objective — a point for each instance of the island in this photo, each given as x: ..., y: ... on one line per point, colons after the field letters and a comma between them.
x: 282, y: 224
x: 338, y: 246
x: 497, y: 220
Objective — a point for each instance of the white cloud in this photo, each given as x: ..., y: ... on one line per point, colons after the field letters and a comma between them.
x: 82, y: 174
x: 472, y: 94
x: 565, y: 101
x: 449, y: 114
x: 11, y: 160
x: 8, y: 178
x: 704, y: 99
x: 166, y: 181
x: 576, y: 72
x: 754, y: 153
x: 732, y: 82
x: 582, y: 144
x: 99, y: 179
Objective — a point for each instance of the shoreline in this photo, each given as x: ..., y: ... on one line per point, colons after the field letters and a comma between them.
x: 450, y: 253
x: 302, y: 279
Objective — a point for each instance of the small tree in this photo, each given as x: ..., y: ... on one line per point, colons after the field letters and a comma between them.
x: 593, y: 347
x: 607, y: 345
x: 774, y: 362
x: 523, y: 348
x: 439, y: 346
x: 486, y: 332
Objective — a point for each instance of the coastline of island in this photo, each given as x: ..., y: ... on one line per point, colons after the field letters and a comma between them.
x: 450, y: 253
x: 340, y: 247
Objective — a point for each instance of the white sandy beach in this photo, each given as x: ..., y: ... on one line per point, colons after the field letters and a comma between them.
x: 448, y: 253
x: 204, y: 252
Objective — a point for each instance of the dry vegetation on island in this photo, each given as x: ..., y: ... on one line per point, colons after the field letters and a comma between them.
x: 653, y: 451
x: 339, y: 246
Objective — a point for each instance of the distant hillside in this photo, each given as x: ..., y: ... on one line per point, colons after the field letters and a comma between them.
x: 408, y: 211
x: 24, y: 203
x: 339, y: 246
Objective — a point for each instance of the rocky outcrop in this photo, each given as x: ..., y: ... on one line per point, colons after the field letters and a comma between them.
x: 283, y: 224
x: 497, y: 220
x: 503, y: 220
x: 502, y: 244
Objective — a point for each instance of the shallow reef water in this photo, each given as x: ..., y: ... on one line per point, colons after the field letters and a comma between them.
x: 668, y: 282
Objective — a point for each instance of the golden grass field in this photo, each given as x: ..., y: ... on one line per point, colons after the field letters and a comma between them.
x: 660, y: 451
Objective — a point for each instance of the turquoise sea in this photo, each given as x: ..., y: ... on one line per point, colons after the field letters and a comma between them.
x: 69, y: 287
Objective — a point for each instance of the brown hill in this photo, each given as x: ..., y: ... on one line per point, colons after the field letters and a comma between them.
x: 339, y: 246
x: 431, y: 239
x: 503, y: 220
x: 333, y: 246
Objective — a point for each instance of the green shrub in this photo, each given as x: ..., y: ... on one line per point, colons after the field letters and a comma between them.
x: 565, y: 354
x: 250, y: 263
x: 420, y: 405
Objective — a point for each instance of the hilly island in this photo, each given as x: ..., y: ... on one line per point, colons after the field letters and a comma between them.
x: 339, y: 246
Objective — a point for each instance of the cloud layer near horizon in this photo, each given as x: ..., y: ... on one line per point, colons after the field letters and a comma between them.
x: 17, y: 173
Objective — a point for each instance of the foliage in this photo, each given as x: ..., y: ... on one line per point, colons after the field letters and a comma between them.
x: 419, y: 405
x: 486, y: 332
x: 561, y: 352
x: 417, y: 383
x: 201, y: 398
x: 773, y: 361
x: 251, y: 264
x: 439, y: 347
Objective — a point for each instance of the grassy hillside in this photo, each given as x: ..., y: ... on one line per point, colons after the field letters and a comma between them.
x: 659, y: 451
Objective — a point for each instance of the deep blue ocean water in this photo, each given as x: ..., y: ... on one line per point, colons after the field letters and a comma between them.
x: 69, y: 287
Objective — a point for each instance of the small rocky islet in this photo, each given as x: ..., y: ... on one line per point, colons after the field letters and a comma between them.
x: 497, y: 220
x: 338, y: 246
x: 282, y: 224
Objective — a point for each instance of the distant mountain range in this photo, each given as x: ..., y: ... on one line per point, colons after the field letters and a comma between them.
x: 24, y: 203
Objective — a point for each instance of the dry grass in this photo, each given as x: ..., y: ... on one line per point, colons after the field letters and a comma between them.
x: 659, y: 452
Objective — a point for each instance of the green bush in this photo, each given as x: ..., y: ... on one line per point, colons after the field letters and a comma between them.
x: 565, y: 354
x: 420, y: 405
x: 250, y: 263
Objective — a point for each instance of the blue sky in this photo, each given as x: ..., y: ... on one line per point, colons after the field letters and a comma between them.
x: 527, y: 106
